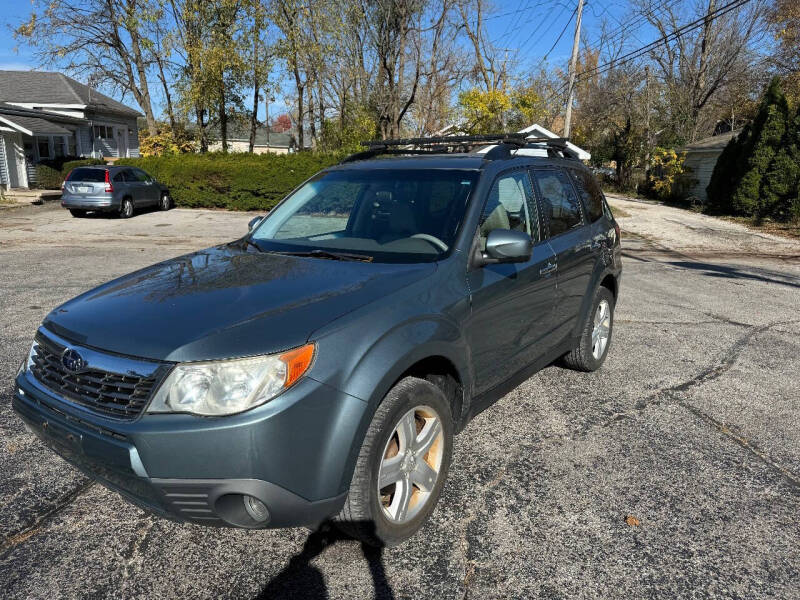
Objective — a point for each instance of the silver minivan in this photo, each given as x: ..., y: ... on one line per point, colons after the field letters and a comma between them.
x: 120, y: 190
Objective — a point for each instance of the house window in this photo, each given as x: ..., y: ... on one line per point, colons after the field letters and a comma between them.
x: 104, y: 132
x: 58, y: 146
x: 43, y: 146
x: 71, y: 147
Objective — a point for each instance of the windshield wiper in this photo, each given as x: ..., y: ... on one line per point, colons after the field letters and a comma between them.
x: 332, y: 255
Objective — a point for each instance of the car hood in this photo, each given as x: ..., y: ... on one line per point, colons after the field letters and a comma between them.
x: 224, y: 302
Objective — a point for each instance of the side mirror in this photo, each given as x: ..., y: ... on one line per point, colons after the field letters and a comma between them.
x: 506, y: 246
x: 253, y: 222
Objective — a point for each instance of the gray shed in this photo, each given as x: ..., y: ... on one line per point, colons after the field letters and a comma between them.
x: 701, y: 157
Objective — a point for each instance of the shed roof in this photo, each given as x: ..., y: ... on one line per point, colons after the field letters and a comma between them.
x: 715, y: 142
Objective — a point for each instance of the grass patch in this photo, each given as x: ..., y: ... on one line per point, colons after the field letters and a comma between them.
x: 617, y: 211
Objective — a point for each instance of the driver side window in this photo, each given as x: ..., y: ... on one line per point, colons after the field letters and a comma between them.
x: 510, y: 205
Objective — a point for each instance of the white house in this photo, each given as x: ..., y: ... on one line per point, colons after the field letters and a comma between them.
x: 537, y: 131
x: 49, y: 115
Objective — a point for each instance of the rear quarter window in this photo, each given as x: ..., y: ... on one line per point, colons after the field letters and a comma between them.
x: 96, y: 175
x: 590, y: 193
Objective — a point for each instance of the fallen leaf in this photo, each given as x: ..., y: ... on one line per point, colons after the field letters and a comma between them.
x: 632, y: 521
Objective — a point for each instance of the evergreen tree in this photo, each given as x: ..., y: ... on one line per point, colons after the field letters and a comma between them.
x: 780, y: 193
x: 725, y: 177
x: 760, y: 149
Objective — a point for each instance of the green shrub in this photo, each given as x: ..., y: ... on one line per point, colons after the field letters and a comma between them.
x: 725, y: 176
x: 48, y: 178
x: 50, y: 173
x: 236, y: 181
x: 79, y: 162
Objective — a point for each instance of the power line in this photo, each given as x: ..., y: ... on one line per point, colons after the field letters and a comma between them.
x: 625, y: 58
x: 605, y: 67
x: 539, y: 39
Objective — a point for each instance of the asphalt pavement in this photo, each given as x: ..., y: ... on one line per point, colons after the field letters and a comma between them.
x: 674, y: 471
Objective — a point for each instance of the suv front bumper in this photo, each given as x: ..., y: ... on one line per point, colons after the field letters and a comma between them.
x: 295, y: 454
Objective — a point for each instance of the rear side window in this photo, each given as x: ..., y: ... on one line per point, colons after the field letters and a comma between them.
x: 79, y: 174
x: 139, y: 175
x: 590, y: 192
x: 119, y: 177
x: 559, y: 203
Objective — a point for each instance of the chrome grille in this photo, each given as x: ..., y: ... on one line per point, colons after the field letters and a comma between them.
x: 121, y: 396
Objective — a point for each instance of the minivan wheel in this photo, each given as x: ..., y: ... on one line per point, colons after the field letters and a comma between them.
x: 126, y: 208
x: 402, y: 466
x: 591, y: 351
x: 77, y: 213
x: 165, y: 203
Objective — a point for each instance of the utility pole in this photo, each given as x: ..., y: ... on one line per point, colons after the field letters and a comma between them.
x: 647, y: 113
x: 572, y: 64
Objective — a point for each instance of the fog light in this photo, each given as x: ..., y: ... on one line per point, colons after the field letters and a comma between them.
x: 255, y: 508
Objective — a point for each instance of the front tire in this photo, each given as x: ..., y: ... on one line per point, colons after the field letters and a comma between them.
x: 165, y: 203
x: 402, y: 466
x: 591, y: 351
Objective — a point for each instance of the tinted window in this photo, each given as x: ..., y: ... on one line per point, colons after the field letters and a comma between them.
x: 119, y: 176
x: 87, y: 175
x: 139, y: 175
x: 391, y: 215
x: 510, y: 206
x: 559, y: 203
x: 590, y: 192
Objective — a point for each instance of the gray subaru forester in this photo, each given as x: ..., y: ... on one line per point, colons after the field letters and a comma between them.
x: 318, y: 368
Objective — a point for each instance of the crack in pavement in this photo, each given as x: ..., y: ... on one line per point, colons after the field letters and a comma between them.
x: 15, y: 539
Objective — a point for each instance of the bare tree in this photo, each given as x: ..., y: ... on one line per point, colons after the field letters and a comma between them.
x: 104, y: 37
x: 696, y: 68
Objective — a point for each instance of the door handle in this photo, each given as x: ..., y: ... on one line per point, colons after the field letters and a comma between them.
x: 549, y: 268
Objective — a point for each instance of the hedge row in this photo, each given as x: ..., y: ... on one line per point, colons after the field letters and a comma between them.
x: 50, y: 173
x: 236, y: 181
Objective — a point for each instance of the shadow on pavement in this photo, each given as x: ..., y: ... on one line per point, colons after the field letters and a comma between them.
x: 726, y: 272
x: 300, y: 579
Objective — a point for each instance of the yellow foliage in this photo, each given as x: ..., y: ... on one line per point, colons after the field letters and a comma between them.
x: 666, y: 168
x: 163, y: 143
x: 484, y: 109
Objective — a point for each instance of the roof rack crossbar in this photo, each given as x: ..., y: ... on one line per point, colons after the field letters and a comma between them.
x: 505, y: 142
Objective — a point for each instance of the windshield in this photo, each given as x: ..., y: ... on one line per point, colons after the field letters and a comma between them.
x: 383, y: 215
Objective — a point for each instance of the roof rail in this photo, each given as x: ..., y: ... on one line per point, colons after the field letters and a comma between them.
x: 506, y: 144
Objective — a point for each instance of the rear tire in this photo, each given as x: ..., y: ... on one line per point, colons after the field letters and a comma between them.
x: 591, y: 351
x: 410, y: 462
x: 77, y: 213
x: 126, y: 208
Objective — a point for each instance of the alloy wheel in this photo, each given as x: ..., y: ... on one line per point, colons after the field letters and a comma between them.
x: 602, y: 329
x: 410, y: 464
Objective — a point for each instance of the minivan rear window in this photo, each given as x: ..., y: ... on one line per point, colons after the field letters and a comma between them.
x: 87, y: 175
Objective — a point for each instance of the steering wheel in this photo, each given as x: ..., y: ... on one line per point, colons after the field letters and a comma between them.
x: 432, y: 239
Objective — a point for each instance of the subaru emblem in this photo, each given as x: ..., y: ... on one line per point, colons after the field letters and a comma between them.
x: 73, y: 361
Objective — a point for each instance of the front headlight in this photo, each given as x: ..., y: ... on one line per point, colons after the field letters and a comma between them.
x: 230, y: 386
x: 27, y: 363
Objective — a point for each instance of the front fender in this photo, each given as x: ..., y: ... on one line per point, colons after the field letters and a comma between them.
x: 367, y: 367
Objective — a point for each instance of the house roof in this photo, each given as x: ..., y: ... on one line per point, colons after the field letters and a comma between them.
x: 537, y: 130
x: 715, y: 142
x: 36, y: 122
x: 56, y: 88
x: 33, y: 125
